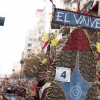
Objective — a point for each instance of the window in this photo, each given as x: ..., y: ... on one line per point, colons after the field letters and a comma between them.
x: 29, y: 45
x: 29, y: 50
x: 30, y: 39
x: 31, y: 34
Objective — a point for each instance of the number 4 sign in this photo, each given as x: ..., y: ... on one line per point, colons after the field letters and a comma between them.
x: 62, y: 74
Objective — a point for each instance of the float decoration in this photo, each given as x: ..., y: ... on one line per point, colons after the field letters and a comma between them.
x: 98, y: 46
x: 77, y: 55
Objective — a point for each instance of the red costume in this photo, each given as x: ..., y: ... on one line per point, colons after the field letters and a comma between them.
x: 4, y: 97
x: 44, y: 93
x: 98, y: 77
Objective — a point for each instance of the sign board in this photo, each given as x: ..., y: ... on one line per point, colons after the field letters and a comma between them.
x: 62, y: 74
x: 69, y: 18
x: 2, y: 20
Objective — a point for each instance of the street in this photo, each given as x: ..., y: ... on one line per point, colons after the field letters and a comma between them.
x: 13, y: 97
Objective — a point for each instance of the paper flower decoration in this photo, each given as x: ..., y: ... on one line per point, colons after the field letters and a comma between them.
x: 46, y: 37
x: 76, y: 10
x: 98, y: 46
x: 44, y: 61
x: 54, y: 42
x: 51, y: 36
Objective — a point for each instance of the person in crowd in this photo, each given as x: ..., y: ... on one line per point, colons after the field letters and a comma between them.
x: 4, y: 96
x: 40, y: 83
x: 43, y: 91
x: 9, y: 90
x: 32, y: 98
x: 23, y: 92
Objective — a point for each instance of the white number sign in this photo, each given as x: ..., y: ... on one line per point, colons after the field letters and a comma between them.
x: 62, y: 74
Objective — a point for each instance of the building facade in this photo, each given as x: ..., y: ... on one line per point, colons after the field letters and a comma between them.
x: 16, y: 67
x: 29, y: 43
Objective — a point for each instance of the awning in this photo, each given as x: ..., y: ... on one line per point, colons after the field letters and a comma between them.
x: 55, y: 26
x: 2, y: 19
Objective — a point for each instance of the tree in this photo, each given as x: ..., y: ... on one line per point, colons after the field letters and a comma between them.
x: 32, y: 64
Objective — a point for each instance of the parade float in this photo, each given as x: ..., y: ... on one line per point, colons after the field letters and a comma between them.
x: 74, y: 68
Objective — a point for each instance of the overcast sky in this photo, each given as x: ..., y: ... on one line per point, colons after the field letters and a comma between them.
x: 19, y: 18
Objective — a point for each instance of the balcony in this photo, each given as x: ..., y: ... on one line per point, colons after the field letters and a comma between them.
x: 29, y: 45
x: 29, y: 48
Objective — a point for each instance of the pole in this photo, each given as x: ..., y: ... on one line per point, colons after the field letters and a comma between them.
x: 19, y: 76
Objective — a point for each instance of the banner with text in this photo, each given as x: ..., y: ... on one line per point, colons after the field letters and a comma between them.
x: 68, y: 18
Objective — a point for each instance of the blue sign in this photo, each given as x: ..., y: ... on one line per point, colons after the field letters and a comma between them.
x: 77, y: 87
x: 69, y: 18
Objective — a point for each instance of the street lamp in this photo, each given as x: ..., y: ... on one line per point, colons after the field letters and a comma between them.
x: 13, y: 70
x: 21, y: 61
x: 21, y: 71
x: 14, y: 75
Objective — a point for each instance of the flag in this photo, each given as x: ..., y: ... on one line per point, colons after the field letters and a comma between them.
x: 94, y: 4
x: 45, y: 47
x: 70, y: 2
x: 48, y: 48
x: 78, y: 3
x: 88, y: 6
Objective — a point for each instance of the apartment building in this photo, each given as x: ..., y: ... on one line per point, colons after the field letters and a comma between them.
x: 16, y: 67
x: 40, y: 28
x: 29, y: 43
